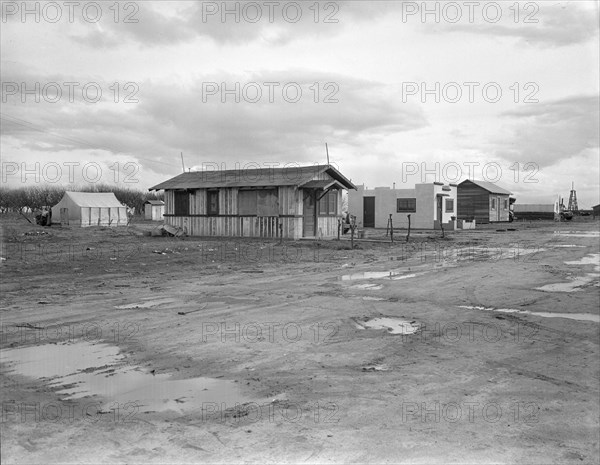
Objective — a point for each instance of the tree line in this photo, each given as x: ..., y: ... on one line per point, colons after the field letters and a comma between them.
x: 32, y: 198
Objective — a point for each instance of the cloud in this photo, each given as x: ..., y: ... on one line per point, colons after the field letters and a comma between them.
x: 551, y: 132
x: 231, y: 22
x: 541, y: 24
x: 173, y: 118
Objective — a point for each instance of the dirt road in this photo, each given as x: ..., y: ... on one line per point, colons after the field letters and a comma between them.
x: 123, y: 348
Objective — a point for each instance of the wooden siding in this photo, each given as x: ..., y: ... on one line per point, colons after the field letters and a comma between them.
x: 475, y: 203
x: 229, y: 224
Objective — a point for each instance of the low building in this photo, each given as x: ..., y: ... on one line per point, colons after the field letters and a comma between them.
x: 154, y: 210
x: 483, y: 202
x: 596, y: 211
x: 429, y: 206
x: 534, y: 211
x: 290, y: 202
x: 90, y: 209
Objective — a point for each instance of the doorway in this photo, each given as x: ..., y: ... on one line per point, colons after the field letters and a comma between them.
x: 369, y: 212
x: 309, y: 220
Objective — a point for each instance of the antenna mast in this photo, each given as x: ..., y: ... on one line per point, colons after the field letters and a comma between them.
x: 182, y: 165
x: 327, y: 150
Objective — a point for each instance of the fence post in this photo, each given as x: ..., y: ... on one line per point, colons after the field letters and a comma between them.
x: 408, y: 235
x: 391, y: 229
x: 281, y: 233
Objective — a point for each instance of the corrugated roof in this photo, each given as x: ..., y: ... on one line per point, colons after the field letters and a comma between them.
x: 262, y: 177
x: 94, y: 199
x: 488, y: 186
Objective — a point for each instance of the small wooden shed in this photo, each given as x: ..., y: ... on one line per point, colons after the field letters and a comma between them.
x: 483, y: 202
x: 292, y: 202
x: 154, y: 210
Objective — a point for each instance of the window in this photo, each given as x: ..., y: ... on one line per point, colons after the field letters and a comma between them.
x: 493, y: 204
x: 212, y: 203
x: 328, y: 203
x: 267, y: 202
x: 406, y: 205
x: 506, y: 204
x: 449, y: 205
x: 182, y: 203
x: 247, y: 203
x: 258, y: 202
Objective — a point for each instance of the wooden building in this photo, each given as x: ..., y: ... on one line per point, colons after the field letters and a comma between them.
x: 429, y: 205
x: 289, y: 202
x: 154, y: 210
x: 483, y: 202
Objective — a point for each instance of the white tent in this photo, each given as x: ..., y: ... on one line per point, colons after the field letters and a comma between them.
x: 90, y: 209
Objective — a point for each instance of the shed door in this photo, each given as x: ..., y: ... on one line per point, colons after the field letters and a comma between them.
x: 369, y: 212
x: 308, y: 214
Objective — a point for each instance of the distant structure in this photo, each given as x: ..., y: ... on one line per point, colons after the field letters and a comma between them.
x: 573, y: 200
x: 154, y: 210
x: 536, y: 211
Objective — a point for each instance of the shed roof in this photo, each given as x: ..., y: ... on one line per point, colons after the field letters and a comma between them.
x: 262, y: 177
x: 488, y: 186
x: 155, y: 202
x: 93, y: 199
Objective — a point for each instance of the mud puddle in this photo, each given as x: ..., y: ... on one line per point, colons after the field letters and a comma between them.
x: 571, y: 316
x: 578, y: 233
x: 146, y: 304
x: 393, y: 275
x: 577, y: 283
x: 368, y: 287
x: 392, y: 325
x: 83, y: 369
x: 591, y: 259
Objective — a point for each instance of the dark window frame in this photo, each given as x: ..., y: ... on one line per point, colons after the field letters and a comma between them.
x: 181, y: 203
x: 410, y: 207
x: 328, y: 204
x: 210, y: 211
x: 451, y: 202
x: 260, y: 207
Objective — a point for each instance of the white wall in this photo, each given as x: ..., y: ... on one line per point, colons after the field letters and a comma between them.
x: 385, y: 203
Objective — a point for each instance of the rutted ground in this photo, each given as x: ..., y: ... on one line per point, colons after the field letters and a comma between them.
x: 280, y: 328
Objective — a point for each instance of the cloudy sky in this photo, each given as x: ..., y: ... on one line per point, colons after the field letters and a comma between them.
x: 402, y: 92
